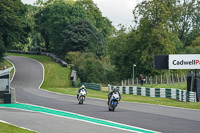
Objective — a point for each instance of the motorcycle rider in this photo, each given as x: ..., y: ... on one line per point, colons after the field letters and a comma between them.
x: 82, y: 87
x: 115, y: 90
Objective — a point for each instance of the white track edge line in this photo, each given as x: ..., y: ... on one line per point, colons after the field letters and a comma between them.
x: 17, y: 125
x: 83, y: 116
x: 14, y: 70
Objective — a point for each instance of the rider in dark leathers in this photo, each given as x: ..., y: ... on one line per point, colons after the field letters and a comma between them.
x: 115, y: 90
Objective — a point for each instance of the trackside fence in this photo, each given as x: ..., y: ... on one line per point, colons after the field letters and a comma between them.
x: 92, y: 86
x: 181, y: 95
x: 54, y: 57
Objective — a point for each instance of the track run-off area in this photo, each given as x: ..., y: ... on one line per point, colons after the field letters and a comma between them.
x: 44, y: 111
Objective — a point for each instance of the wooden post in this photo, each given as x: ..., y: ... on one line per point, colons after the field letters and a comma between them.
x: 184, y: 77
x: 122, y: 83
x: 128, y: 82
x: 167, y: 79
x: 133, y: 82
x: 146, y: 80
x: 151, y: 80
x: 161, y: 79
x: 172, y: 78
x: 178, y: 79
x: 156, y: 79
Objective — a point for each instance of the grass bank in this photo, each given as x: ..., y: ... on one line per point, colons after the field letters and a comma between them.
x: 55, y: 75
x: 6, y: 64
x: 181, y: 85
x: 57, y: 79
x: 7, y: 128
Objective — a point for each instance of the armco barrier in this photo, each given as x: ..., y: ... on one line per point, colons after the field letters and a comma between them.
x: 181, y: 95
x: 92, y: 86
x: 56, y: 59
x: 73, y: 77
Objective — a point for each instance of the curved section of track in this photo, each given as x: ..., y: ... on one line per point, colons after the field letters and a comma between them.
x: 29, y: 75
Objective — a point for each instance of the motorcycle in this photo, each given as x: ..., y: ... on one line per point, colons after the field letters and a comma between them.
x: 82, y: 96
x: 114, y: 100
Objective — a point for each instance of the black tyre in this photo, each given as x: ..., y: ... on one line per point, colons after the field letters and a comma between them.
x: 113, y: 109
x: 109, y: 108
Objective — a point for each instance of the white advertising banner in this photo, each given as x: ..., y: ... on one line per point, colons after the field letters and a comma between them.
x: 184, y: 61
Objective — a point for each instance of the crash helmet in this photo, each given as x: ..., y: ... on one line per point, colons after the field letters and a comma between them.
x: 83, y: 87
x: 115, y: 89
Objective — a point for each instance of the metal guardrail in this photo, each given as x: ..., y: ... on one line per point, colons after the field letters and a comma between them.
x: 54, y: 57
x: 73, y: 77
x: 181, y: 95
x: 92, y: 86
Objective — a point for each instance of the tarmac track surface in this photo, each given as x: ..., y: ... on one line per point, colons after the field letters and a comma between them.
x: 28, y: 77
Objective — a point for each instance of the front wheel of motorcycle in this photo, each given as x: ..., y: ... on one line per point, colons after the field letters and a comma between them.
x: 80, y: 102
x: 109, y: 109
x: 113, y: 109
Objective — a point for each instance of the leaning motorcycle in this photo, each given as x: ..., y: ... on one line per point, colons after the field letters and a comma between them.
x: 114, y: 100
x: 82, y: 96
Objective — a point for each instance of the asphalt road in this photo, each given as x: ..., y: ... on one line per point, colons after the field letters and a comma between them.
x: 29, y: 75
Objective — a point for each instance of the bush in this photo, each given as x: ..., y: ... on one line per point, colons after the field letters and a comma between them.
x: 90, y: 68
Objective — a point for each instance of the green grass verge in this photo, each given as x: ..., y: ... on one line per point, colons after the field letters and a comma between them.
x: 131, y: 98
x: 7, y: 128
x: 7, y: 64
x: 53, y: 69
x: 181, y: 86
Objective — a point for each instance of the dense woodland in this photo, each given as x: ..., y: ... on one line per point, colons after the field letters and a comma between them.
x: 77, y: 32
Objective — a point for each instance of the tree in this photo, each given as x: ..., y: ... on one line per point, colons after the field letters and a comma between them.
x: 194, y: 48
x: 94, y: 15
x: 91, y: 68
x: 154, y: 31
x: 80, y: 36
x: 53, y: 17
x: 13, y: 26
x: 123, y: 50
x: 56, y: 15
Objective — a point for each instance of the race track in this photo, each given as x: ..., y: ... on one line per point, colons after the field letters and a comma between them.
x: 29, y: 76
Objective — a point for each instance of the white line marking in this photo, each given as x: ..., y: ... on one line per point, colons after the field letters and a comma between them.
x: 43, y: 72
x: 14, y: 69
x: 17, y: 125
x: 82, y: 119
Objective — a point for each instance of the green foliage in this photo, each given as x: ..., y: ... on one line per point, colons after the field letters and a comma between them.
x: 94, y: 15
x: 90, y: 68
x: 194, y: 48
x: 56, y: 16
x: 153, y: 33
x: 123, y: 50
x: 81, y: 36
x: 162, y: 27
x: 13, y: 26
